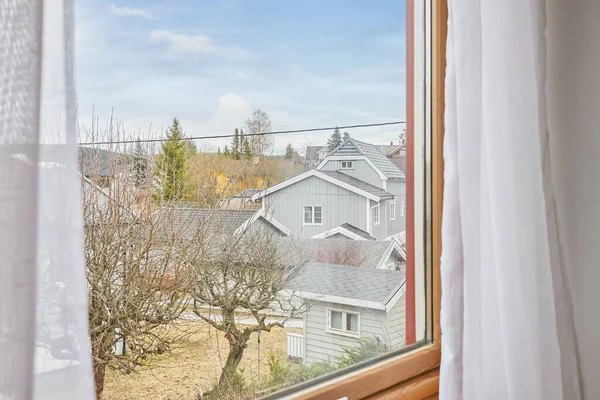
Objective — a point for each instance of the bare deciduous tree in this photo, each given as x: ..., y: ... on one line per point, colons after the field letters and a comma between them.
x: 248, y: 271
x: 256, y: 125
x: 136, y: 285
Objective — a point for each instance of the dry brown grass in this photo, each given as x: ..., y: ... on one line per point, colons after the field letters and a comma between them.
x: 193, y: 366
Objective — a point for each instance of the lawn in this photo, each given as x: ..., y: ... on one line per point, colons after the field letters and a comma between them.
x: 192, y: 366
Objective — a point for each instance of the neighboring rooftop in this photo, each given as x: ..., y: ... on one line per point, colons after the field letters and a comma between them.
x: 353, y: 147
x: 248, y: 193
x: 312, y: 152
x: 187, y: 222
x: 358, y: 231
x: 357, y: 183
x: 348, y: 281
x: 386, y: 149
x: 368, y: 254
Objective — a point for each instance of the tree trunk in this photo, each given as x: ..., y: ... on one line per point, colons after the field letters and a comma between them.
x: 99, y: 373
x: 236, y: 352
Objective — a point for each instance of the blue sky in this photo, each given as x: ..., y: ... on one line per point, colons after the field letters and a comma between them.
x: 211, y: 63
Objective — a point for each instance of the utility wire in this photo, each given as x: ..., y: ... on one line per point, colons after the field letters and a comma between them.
x: 247, y: 134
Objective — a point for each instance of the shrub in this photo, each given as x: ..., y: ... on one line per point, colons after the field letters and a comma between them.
x: 367, y: 348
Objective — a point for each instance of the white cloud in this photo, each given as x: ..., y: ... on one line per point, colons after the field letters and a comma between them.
x: 130, y: 12
x: 232, y: 111
x: 179, y: 43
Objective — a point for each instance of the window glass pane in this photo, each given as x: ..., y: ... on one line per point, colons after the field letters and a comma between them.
x: 336, y: 320
x: 228, y: 100
x: 318, y: 215
x: 352, y: 322
x: 307, y: 215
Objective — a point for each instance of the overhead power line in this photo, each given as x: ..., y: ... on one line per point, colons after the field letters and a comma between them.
x: 249, y: 134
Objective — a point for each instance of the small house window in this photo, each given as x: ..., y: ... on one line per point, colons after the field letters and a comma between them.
x: 313, y: 215
x: 402, y: 209
x: 347, y: 165
x: 392, y: 211
x: 375, y: 214
x: 343, y: 322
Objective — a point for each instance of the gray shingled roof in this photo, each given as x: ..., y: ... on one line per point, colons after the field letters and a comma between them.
x: 357, y: 183
x: 187, y: 222
x: 312, y: 152
x: 347, y: 281
x: 353, y: 147
x: 359, y: 253
x: 247, y: 193
x: 358, y: 231
x: 101, y: 162
x: 386, y: 148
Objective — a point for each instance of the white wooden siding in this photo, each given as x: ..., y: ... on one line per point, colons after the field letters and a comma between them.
x: 397, y: 324
x: 325, y: 346
x: 339, y: 206
x: 361, y: 170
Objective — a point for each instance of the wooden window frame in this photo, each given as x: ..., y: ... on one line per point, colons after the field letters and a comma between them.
x: 312, y: 213
x: 350, y: 166
x: 414, y: 374
x: 392, y: 210
x: 343, y: 331
x: 376, y: 207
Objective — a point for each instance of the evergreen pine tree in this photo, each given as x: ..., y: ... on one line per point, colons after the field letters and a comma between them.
x: 171, y: 163
x: 218, y: 150
x: 289, y: 152
x: 226, y: 151
x: 140, y: 164
x: 235, y: 145
x: 346, y: 135
x: 335, y: 140
x: 247, y: 149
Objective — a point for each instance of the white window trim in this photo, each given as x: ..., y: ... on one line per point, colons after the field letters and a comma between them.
x: 378, y: 215
x: 351, y: 162
x: 313, y: 215
x: 343, y: 331
x: 392, y: 211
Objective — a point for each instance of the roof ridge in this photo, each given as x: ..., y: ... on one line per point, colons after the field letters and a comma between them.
x: 356, y: 179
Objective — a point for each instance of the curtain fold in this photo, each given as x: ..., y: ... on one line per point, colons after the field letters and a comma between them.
x: 505, y: 318
x: 43, y: 303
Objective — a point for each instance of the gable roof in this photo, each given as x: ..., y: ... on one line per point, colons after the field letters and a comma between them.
x: 370, y: 254
x: 247, y: 193
x: 337, y: 178
x: 186, y: 222
x: 371, y: 288
x: 312, y: 152
x: 347, y: 230
x: 356, y: 148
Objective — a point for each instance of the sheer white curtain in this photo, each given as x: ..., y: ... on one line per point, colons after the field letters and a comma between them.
x: 43, y: 304
x: 521, y: 229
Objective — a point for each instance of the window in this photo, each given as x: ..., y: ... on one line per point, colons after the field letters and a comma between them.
x: 375, y: 215
x: 343, y: 322
x: 313, y: 215
x: 278, y: 168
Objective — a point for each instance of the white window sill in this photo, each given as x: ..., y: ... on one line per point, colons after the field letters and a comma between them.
x: 312, y: 224
x: 343, y: 333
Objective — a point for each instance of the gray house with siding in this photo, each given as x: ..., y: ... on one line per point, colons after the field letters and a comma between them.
x: 355, y: 185
x: 347, y: 303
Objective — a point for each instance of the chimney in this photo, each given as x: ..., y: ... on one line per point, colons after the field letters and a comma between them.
x: 391, y: 143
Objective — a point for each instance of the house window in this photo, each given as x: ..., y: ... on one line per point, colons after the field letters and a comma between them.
x: 343, y: 322
x: 375, y: 215
x: 402, y: 209
x: 392, y: 211
x: 313, y: 215
x: 347, y: 165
